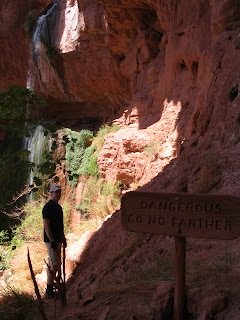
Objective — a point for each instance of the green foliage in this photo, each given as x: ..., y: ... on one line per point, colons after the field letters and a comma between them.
x: 77, y: 143
x: 99, y: 198
x: 5, y: 250
x: 15, y: 103
x: 66, y: 216
x: 82, y: 150
x: 103, y: 131
x: 84, y: 208
x: 31, y: 228
x: 43, y: 154
x: 152, y: 148
x: 29, y: 24
x: 3, y: 237
x: 14, y: 165
x: 89, y: 162
x: 92, y: 165
x: 98, y: 142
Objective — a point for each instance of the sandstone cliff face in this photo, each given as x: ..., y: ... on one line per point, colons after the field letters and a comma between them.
x: 74, y: 71
x: 183, y: 70
x: 166, y: 72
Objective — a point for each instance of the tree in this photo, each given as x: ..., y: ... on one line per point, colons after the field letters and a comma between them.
x: 16, y: 105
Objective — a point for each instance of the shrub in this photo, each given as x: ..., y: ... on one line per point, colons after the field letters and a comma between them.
x: 152, y: 148
x: 5, y: 250
x: 103, y: 131
x: 82, y: 152
x: 78, y: 142
x: 31, y: 228
x: 30, y: 23
x: 93, y: 166
x: 16, y: 103
x: 89, y: 162
x: 66, y: 216
x: 99, y: 198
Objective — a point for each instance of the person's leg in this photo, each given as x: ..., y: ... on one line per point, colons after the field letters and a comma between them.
x: 58, y: 260
x: 54, y: 266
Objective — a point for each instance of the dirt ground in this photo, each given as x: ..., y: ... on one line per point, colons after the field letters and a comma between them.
x: 122, y: 275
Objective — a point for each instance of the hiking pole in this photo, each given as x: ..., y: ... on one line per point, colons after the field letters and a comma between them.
x: 57, y: 284
x: 40, y: 306
x: 64, y: 277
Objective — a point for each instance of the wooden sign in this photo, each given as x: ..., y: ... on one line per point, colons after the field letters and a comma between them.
x: 182, y: 214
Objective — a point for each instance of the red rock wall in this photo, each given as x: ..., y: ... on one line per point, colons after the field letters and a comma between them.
x: 165, y: 71
x: 14, y: 40
x: 181, y: 92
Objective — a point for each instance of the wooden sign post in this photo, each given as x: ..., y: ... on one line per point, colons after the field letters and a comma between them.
x: 180, y: 271
x: 181, y: 215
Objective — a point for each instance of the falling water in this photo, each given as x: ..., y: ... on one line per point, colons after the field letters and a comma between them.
x: 40, y: 41
x: 30, y: 81
x: 41, y: 34
x: 37, y: 144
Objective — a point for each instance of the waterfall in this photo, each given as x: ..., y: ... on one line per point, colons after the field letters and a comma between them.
x: 37, y: 144
x: 41, y: 34
x: 41, y: 40
x: 30, y: 80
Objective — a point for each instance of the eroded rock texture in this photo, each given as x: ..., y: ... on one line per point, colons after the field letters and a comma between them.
x: 166, y: 71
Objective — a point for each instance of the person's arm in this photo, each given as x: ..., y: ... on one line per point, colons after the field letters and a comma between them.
x: 47, y: 228
x: 64, y: 241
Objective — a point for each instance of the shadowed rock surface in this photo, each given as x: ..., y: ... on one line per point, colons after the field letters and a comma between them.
x: 168, y: 73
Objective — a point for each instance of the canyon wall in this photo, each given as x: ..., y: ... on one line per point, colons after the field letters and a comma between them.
x: 166, y: 71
